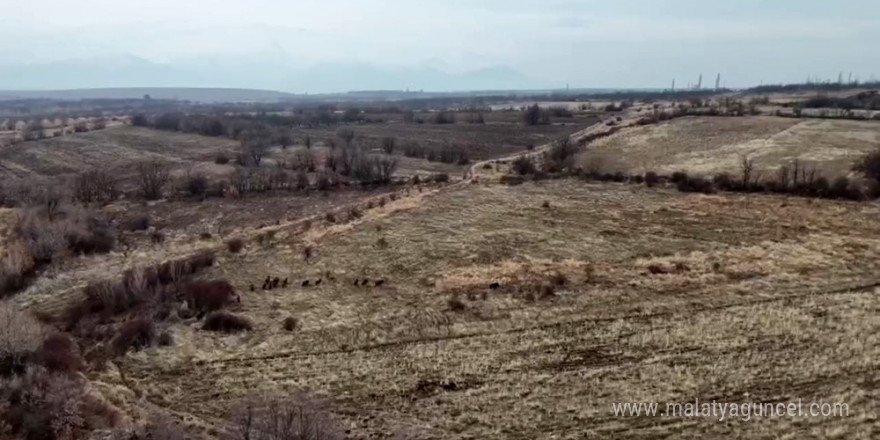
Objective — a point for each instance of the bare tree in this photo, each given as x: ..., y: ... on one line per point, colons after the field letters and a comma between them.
x: 747, y: 167
x: 253, y: 149
x: 95, y: 186
x: 346, y: 134
x: 388, y: 145
x: 305, y: 160
x: 284, y: 417
x: 152, y: 178
x: 284, y: 139
x: 385, y: 167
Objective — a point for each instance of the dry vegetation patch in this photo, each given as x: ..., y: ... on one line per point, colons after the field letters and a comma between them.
x: 657, y: 296
x: 710, y: 145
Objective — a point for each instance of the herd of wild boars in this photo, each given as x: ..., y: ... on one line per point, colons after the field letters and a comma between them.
x: 275, y: 282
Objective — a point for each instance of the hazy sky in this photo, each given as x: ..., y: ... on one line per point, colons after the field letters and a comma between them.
x: 587, y: 43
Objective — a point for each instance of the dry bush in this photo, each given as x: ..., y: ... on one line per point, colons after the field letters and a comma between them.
x: 678, y: 177
x: 455, y: 304
x: 157, y: 237
x: 16, y: 269
x: 696, y: 184
x: 72, y: 229
x: 651, y: 179
x: 226, y: 322
x: 290, y: 323
x: 199, y: 261
x: 297, y: 416
x: 535, y: 115
x: 165, y: 339
x: 152, y: 178
x: 512, y: 180
x: 59, y: 353
x: 157, y: 428
x: 40, y: 405
x: 134, y: 335
x: 95, y: 186
x: 137, y: 286
x: 523, y: 165
x: 560, y: 157
x: 355, y: 213
x: 137, y: 223
x: 235, y: 245
x: 724, y: 182
x: 558, y: 279
x: 869, y: 165
x: 20, y: 335
x: 196, y: 184
x: 208, y: 296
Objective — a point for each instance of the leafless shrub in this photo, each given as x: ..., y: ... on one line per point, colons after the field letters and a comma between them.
x: 157, y: 428
x: 535, y: 115
x: 152, y: 179
x: 16, y: 267
x: 305, y: 160
x: 20, y: 335
x: 869, y: 165
x: 388, y: 145
x: 455, y: 304
x: 290, y: 323
x: 523, y: 165
x: 196, y: 184
x: 134, y: 335
x: 561, y: 156
x: 235, y: 245
x: 298, y: 416
x: 208, y: 296
x: 226, y: 322
x: 165, y: 339
x: 747, y: 168
x: 59, y: 353
x: 40, y: 405
x: 137, y: 223
x: 253, y: 148
x: 346, y: 134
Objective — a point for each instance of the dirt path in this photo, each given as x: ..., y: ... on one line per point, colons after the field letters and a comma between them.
x: 629, y: 118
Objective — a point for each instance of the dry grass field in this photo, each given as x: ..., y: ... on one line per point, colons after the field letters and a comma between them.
x: 493, y: 311
x: 483, y: 141
x: 115, y: 149
x: 613, y: 293
x: 708, y: 145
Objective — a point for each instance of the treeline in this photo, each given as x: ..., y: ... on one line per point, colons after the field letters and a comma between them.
x: 813, y: 86
x: 448, y: 153
x: 865, y: 101
x: 795, y: 178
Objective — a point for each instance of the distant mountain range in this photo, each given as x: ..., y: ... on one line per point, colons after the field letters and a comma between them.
x: 260, y: 73
x: 174, y: 93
